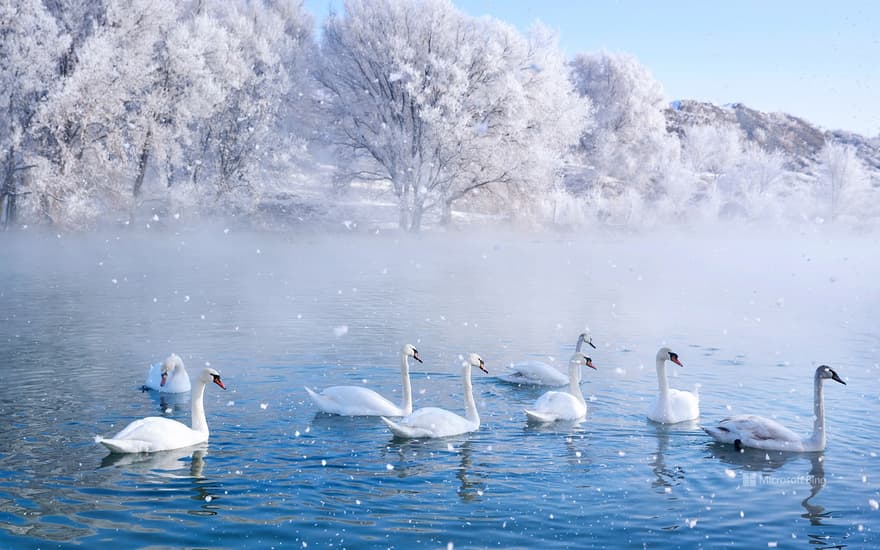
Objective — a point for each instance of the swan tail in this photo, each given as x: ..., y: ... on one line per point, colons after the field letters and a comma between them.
x: 719, y: 434
x: 319, y: 400
x: 124, y: 446
x: 535, y: 416
x: 407, y: 432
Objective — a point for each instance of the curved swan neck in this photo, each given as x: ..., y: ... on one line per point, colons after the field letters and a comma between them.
x: 470, y: 406
x: 818, y: 436
x: 662, y: 382
x: 199, y: 423
x: 407, y: 403
x: 579, y: 345
x: 574, y: 381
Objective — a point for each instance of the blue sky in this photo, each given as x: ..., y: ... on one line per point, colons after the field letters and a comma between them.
x: 817, y: 60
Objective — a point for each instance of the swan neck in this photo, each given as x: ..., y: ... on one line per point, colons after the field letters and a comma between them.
x: 199, y: 423
x: 818, y: 436
x: 407, y: 403
x: 580, y: 344
x: 470, y: 406
x: 662, y: 382
x: 574, y: 382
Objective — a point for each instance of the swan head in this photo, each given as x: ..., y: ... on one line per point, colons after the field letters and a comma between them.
x: 825, y: 371
x: 477, y: 361
x: 169, y: 365
x: 410, y: 350
x: 587, y: 339
x: 582, y: 360
x: 666, y: 354
x: 210, y: 375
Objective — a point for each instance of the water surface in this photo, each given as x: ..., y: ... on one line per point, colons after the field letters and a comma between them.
x: 751, y: 317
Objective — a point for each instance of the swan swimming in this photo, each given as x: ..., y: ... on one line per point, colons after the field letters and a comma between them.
x: 157, y: 433
x: 537, y: 373
x: 563, y: 405
x: 748, y: 430
x: 169, y: 376
x: 672, y: 406
x: 360, y: 401
x: 437, y: 422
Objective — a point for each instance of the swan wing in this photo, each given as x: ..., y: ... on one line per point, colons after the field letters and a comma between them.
x: 556, y: 405
x: 178, y: 381
x: 756, y: 431
x: 154, y: 433
x: 534, y: 373
x: 154, y: 377
x: 432, y: 422
x: 353, y: 401
x: 683, y: 405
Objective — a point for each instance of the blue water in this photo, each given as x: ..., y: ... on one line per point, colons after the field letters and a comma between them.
x: 83, y: 316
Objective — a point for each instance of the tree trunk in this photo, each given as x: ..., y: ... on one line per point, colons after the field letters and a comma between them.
x: 7, y: 190
x: 143, y: 160
x: 446, y: 213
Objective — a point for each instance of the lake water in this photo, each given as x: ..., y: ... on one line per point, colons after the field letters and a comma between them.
x: 751, y: 316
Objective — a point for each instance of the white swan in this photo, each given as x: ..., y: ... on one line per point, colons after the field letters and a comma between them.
x: 763, y: 433
x: 436, y: 422
x: 560, y: 405
x: 671, y: 405
x: 360, y: 401
x: 169, y: 376
x: 157, y: 433
x: 537, y: 373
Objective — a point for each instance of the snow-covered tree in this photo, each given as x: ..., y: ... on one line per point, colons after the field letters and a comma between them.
x: 844, y: 182
x: 31, y: 45
x: 262, y: 64
x: 441, y: 105
x: 628, y: 142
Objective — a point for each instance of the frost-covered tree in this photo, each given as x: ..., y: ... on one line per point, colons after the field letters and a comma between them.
x: 101, y: 120
x: 31, y: 45
x: 628, y: 142
x: 262, y: 63
x: 844, y: 181
x: 442, y: 105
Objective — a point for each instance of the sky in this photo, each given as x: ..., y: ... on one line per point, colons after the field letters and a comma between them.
x: 818, y: 60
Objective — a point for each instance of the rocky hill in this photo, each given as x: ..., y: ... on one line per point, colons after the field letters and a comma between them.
x: 799, y: 140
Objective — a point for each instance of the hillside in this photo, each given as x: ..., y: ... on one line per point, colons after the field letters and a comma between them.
x: 799, y: 140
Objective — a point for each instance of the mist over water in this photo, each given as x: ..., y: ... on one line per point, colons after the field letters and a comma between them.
x: 751, y: 315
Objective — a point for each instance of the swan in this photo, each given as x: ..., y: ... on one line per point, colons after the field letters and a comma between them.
x: 360, y: 401
x: 157, y: 433
x: 436, y: 422
x: 169, y: 376
x: 537, y: 373
x: 560, y: 405
x: 672, y: 406
x: 748, y: 430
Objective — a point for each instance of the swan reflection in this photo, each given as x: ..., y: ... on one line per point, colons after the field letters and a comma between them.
x: 162, y: 462
x: 755, y: 468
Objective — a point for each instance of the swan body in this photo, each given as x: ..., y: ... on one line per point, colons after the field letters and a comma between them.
x: 672, y: 405
x: 360, y: 401
x: 169, y: 376
x: 437, y: 422
x: 157, y: 433
x: 563, y: 405
x: 537, y: 373
x: 763, y: 433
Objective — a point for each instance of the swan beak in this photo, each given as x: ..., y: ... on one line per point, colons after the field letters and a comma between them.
x: 219, y: 382
x: 674, y: 358
x: 837, y: 379
x: 483, y: 366
x: 590, y: 364
x: 592, y: 345
x: 416, y: 356
x: 164, y: 379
